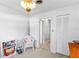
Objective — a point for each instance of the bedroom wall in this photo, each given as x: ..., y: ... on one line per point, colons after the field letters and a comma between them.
x: 73, y: 32
x: 12, y: 24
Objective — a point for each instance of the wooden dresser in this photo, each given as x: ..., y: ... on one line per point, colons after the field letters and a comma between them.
x: 74, y: 49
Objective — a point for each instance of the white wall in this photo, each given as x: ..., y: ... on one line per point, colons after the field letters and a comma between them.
x: 34, y: 29
x: 12, y: 24
x: 73, y: 23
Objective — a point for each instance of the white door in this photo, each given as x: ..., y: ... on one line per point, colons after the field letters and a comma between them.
x: 62, y: 34
x: 59, y: 35
x: 65, y: 34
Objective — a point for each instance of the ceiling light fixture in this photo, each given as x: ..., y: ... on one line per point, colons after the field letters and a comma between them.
x: 28, y: 5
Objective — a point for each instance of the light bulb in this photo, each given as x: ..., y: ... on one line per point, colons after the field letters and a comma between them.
x: 31, y: 5
x: 23, y: 4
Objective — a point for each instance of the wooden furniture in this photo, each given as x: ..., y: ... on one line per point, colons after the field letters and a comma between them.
x: 74, y: 50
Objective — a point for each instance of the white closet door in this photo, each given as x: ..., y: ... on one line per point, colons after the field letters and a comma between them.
x: 65, y: 35
x: 62, y: 34
x: 59, y: 37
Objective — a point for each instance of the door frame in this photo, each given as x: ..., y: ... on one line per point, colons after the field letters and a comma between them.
x: 41, y: 39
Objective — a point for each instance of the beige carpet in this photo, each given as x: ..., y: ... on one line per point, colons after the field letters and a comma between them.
x: 42, y: 52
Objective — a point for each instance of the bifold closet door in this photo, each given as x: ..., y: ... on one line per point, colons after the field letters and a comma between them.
x: 59, y: 35
x: 62, y: 34
x: 65, y: 34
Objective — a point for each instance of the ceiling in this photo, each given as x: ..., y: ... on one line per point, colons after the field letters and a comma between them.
x: 47, y: 5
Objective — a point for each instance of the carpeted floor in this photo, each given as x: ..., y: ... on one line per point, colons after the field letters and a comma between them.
x: 42, y: 52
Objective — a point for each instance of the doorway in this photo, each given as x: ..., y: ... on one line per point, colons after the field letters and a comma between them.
x: 45, y: 29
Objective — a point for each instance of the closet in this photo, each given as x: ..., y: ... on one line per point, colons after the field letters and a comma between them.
x: 62, y: 22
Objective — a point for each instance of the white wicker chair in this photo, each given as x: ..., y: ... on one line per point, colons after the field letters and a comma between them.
x: 28, y: 42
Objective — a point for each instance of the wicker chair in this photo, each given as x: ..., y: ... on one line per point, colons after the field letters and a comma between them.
x: 28, y: 42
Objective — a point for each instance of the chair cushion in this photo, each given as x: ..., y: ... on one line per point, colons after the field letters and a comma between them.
x: 28, y: 39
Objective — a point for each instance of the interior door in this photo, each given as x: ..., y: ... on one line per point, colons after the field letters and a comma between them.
x: 62, y: 22
x: 65, y: 34
x: 59, y: 35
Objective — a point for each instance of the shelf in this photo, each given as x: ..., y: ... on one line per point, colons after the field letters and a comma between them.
x: 9, y: 47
